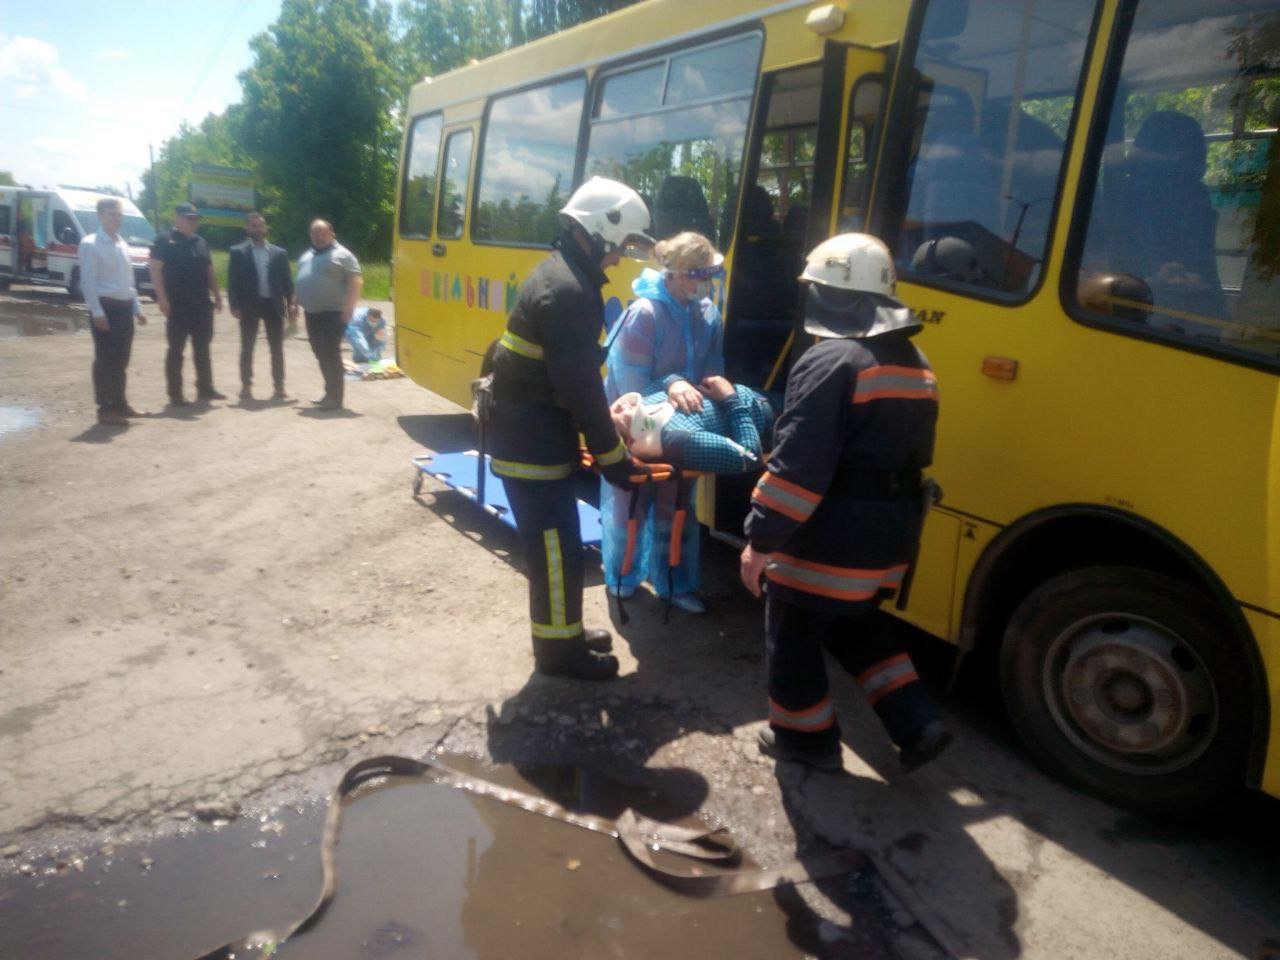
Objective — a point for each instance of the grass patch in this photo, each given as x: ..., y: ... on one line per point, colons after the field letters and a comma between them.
x: 377, y: 276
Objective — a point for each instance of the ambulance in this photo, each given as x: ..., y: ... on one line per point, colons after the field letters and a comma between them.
x: 40, y: 231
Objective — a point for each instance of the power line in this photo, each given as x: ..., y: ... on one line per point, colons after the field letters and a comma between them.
x: 215, y: 53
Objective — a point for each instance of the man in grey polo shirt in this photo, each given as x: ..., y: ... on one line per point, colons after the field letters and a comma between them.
x: 328, y: 285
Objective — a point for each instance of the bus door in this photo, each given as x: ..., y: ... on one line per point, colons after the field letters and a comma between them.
x: 857, y: 92
x: 450, y: 270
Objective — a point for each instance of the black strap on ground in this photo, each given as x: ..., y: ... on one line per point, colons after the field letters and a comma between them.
x: 713, y: 853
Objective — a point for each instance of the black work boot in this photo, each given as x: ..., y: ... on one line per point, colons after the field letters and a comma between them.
x: 572, y: 658
x: 924, y: 745
x: 600, y: 641
x: 827, y: 758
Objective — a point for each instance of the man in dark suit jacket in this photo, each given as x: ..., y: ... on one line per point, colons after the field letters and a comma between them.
x: 260, y: 286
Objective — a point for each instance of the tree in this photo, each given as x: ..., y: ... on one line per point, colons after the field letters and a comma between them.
x: 318, y: 119
x: 537, y: 18
x: 6, y: 179
x: 435, y: 36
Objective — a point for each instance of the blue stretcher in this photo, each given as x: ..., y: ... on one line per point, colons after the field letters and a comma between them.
x: 458, y: 471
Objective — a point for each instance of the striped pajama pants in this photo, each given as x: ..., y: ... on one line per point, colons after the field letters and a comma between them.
x: 800, y: 709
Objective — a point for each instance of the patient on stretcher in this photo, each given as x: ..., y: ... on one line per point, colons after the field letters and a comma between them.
x: 725, y: 436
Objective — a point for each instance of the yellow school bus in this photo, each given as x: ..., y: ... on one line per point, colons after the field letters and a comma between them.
x: 1083, y: 200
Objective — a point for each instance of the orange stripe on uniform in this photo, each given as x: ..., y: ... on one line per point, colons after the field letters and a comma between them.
x: 887, y: 676
x: 787, y: 498
x: 825, y: 580
x: 818, y: 717
x: 896, y: 383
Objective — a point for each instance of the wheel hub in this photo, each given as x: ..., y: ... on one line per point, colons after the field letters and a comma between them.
x: 1130, y: 693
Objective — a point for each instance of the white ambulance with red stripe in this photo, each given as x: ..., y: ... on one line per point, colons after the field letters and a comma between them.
x: 40, y: 231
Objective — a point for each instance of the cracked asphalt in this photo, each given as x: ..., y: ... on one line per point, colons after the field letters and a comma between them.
x: 234, y: 604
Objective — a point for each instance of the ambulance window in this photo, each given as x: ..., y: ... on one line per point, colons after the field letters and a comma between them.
x: 418, y: 196
x: 6, y: 217
x: 64, y: 230
x: 527, y: 153
x: 453, y: 192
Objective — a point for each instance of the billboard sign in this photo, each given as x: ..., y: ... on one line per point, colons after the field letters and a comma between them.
x: 222, y: 194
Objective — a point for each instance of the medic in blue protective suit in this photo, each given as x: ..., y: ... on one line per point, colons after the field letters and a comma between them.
x: 667, y: 341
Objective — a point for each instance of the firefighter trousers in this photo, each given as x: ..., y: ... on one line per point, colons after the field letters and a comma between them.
x: 546, y: 513
x: 800, y: 709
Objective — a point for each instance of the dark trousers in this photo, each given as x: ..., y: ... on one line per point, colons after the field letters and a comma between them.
x: 324, y: 330
x: 266, y: 309
x: 111, y: 349
x: 197, y: 324
x: 546, y: 514
x: 800, y: 710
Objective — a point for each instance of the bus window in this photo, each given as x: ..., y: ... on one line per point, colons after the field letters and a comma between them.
x: 1182, y: 234
x: 526, y: 163
x: 453, y: 192
x: 769, y: 244
x: 674, y: 129
x: 865, y: 111
x: 985, y: 154
x: 418, y: 195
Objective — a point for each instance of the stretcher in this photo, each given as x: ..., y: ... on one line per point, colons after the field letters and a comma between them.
x: 460, y: 472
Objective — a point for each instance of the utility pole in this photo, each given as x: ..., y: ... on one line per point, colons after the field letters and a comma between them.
x: 155, y: 189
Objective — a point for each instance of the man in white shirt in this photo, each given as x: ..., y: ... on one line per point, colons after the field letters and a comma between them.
x: 106, y: 277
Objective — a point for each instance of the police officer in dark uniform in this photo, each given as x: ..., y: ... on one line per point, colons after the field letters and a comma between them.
x: 546, y: 390
x: 836, y: 517
x: 185, y: 284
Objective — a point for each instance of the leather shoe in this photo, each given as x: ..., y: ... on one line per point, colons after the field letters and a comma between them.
x: 211, y: 395
x: 110, y: 418
x: 246, y: 393
x: 924, y: 745
x: 180, y: 402
x: 826, y: 759
x: 279, y: 394
x: 133, y: 414
x: 329, y: 405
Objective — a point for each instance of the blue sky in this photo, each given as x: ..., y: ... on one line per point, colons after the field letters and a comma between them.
x: 86, y: 85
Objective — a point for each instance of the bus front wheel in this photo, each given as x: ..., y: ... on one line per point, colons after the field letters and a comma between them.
x: 1125, y: 682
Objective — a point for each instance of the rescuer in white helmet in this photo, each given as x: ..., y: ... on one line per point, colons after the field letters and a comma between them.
x: 836, y: 517
x: 546, y: 391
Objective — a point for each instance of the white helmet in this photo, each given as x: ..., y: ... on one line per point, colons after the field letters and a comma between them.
x: 613, y: 215
x: 851, y: 289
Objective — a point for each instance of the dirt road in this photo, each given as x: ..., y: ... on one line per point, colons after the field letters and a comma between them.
x: 224, y: 601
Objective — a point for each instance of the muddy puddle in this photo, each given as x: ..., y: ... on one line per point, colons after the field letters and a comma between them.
x: 13, y: 419
x: 424, y: 870
x: 39, y: 314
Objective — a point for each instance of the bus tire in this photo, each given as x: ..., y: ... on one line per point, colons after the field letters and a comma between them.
x: 73, y: 287
x: 1124, y: 682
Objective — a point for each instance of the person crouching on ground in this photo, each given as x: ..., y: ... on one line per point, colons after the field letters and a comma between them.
x: 367, y: 334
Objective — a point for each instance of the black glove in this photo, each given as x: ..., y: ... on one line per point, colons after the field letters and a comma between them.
x: 619, y: 474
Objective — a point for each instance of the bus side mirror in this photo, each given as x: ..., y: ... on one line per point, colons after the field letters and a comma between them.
x: 1122, y: 296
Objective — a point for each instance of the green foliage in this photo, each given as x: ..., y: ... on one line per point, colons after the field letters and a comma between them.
x: 317, y: 118
x: 6, y: 179
x: 322, y: 110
